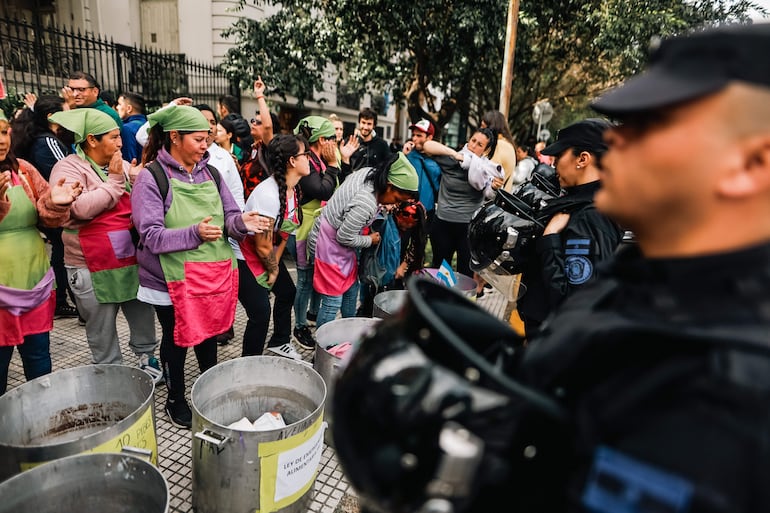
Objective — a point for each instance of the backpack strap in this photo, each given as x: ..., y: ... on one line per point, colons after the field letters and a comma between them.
x: 214, y: 172
x: 161, y: 178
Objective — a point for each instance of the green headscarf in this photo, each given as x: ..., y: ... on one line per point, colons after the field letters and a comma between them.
x: 179, y: 117
x: 403, y: 175
x: 319, y: 127
x: 84, y: 121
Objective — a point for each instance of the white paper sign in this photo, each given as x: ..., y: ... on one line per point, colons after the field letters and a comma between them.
x: 297, y: 467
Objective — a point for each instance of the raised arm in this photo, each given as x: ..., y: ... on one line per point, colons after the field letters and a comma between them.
x: 264, y: 112
x: 435, y: 148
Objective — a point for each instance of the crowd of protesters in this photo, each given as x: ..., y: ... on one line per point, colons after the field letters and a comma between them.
x: 192, y: 208
x: 630, y: 364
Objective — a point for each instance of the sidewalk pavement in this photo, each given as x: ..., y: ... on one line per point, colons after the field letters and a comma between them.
x: 333, y: 494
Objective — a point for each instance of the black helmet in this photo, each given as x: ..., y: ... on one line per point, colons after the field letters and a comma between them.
x: 427, y: 416
x: 544, y: 177
x: 533, y: 196
x: 502, y: 232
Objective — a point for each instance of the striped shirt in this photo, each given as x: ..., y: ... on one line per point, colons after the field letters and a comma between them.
x: 351, y: 208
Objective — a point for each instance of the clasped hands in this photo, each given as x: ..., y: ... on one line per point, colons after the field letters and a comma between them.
x: 254, y: 222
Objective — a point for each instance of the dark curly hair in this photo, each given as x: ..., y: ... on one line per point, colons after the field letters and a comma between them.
x: 416, y: 237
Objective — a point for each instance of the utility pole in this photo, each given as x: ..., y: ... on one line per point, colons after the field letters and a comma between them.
x: 510, y: 49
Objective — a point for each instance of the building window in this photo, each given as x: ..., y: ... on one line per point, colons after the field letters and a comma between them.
x: 347, y: 98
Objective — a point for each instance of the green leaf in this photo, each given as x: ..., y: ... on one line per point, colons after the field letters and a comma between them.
x: 566, y: 50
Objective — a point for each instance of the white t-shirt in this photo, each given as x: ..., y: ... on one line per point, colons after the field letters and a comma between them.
x: 264, y: 199
x: 221, y: 159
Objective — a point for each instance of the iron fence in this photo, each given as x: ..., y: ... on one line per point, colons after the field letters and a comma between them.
x: 35, y: 58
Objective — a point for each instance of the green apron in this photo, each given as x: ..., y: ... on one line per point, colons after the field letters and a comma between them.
x: 202, y: 282
x: 27, y: 297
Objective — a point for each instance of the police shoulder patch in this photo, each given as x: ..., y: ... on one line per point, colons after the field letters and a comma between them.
x: 577, y: 266
x: 578, y: 269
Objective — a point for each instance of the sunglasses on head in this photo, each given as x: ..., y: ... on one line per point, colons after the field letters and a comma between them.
x: 408, y: 210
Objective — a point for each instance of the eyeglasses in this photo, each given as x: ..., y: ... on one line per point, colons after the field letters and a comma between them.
x: 81, y: 90
x: 255, y: 121
x: 305, y: 153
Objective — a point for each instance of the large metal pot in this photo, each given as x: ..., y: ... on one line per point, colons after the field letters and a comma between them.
x: 117, y: 483
x: 329, y: 366
x: 94, y: 408
x: 265, y: 471
x: 388, y: 303
x: 465, y: 284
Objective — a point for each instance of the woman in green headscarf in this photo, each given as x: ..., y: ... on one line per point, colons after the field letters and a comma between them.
x: 337, y: 233
x: 316, y: 189
x: 99, y: 253
x: 27, y: 296
x: 187, y: 267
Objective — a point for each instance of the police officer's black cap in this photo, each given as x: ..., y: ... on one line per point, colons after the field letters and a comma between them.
x: 689, y: 67
x: 584, y: 135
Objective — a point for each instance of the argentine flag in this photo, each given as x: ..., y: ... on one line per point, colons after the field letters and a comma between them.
x: 446, y: 274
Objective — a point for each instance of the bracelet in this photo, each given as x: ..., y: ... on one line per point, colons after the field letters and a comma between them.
x: 258, y: 97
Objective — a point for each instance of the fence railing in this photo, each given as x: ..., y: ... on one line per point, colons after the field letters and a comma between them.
x: 39, y: 59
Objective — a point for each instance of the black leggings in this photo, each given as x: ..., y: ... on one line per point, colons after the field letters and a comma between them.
x: 447, y: 238
x: 173, y: 356
x: 57, y: 263
x: 256, y: 302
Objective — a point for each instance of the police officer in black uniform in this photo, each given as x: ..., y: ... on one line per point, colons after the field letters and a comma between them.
x: 668, y: 357
x: 577, y: 237
x: 646, y: 391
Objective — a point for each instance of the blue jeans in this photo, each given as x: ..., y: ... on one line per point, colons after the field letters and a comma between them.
x: 307, y: 299
x: 291, y: 246
x: 35, y: 355
x: 330, y: 305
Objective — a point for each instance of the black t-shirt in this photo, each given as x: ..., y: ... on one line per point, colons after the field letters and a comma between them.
x: 369, y: 154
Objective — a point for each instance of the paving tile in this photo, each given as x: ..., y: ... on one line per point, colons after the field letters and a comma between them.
x: 69, y: 349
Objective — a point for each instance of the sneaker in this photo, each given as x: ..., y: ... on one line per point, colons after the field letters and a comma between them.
x: 149, y: 364
x: 287, y: 350
x: 65, y: 311
x: 304, y: 338
x: 179, y: 413
x: 311, y: 318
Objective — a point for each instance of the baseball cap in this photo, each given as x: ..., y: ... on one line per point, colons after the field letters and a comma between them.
x: 587, y: 134
x: 423, y: 126
x: 688, y: 67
